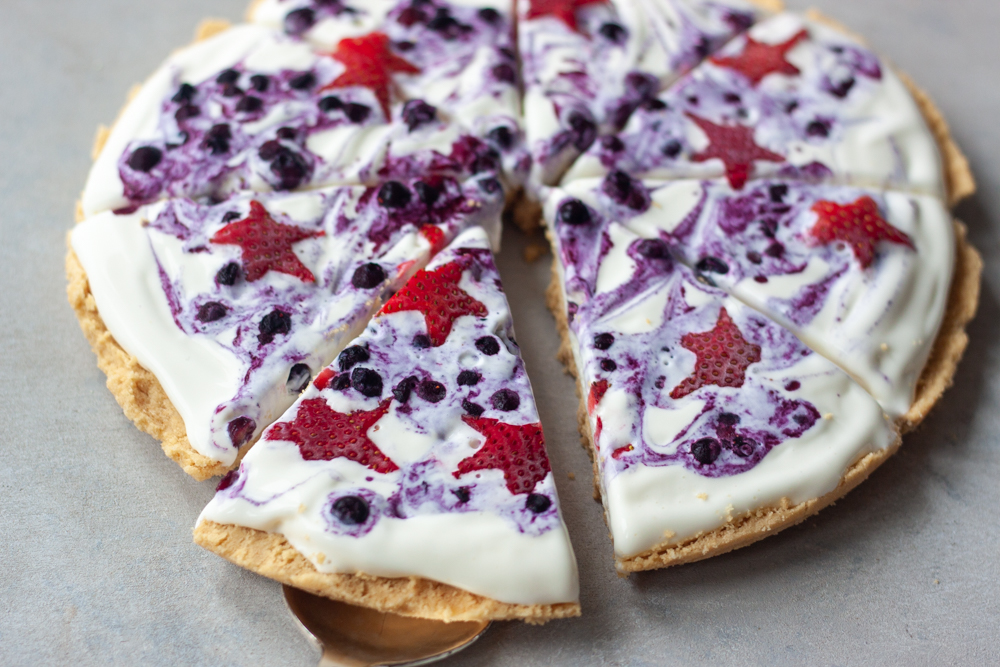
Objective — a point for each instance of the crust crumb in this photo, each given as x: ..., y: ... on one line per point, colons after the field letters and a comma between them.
x: 210, y: 27
x: 100, y: 138
x: 534, y: 251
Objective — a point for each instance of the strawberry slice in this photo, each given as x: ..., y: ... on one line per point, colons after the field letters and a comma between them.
x: 369, y: 64
x: 323, y: 434
x: 859, y: 225
x: 519, y: 451
x: 759, y: 59
x: 735, y: 146
x: 564, y: 10
x: 266, y: 244
x: 437, y: 295
x: 723, y: 357
x: 597, y: 391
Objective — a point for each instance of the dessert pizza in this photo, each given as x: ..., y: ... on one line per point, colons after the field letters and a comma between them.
x: 285, y: 240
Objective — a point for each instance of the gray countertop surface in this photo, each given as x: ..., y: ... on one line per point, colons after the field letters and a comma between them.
x: 96, y: 560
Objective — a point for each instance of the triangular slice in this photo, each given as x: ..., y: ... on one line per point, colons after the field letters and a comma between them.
x: 254, y: 109
x: 711, y: 425
x: 589, y: 64
x: 791, y: 98
x: 233, y: 307
x: 411, y: 476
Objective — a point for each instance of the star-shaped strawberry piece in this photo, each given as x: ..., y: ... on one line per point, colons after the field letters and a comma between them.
x: 723, y: 357
x: 759, y: 59
x: 369, y: 64
x: 734, y: 145
x: 437, y: 295
x: 858, y: 224
x: 324, y: 434
x: 517, y: 450
x: 266, y: 244
x: 564, y: 10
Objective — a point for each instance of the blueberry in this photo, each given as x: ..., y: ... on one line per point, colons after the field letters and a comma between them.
x: 487, y: 161
x: 505, y: 72
x: 286, y: 133
x: 249, y: 104
x: 357, y: 113
x: 501, y: 136
x: 274, y: 323
x: 269, y: 150
x: 604, y: 341
x: 185, y: 93
x: 778, y: 192
x: 443, y: 22
x: 367, y: 382
x: 489, y: 15
x: 462, y: 494
x: 641, y: 85
x: 228, y: 274
x: 652, y: 249
x: 299, y: 20
x: 620, y: 187
x: 841, y: 88
x: 431, y: 391
x: 793, y: 385
x: 303, y: 81
x: 331, y: 103
x: 298, y: 378
x: 417, y: 113
x: 574, y: 212
x: 428, y: 194
x: 729, y: 419
x: 469, y: 378
x: 775, y: 250
x: 355, y: 354
x: 401, y: 391
x: 227, y: 76
x: 217, y: 139
x: 421, y: 341
x: 351, y: 510
x: 227, y: 480
x: 505, y: 400
x: 612, y: 144
x: 582, y: 130
x: 706, y: 450
x: 473, y: 409
x: 490, y: 185
x: 744, y: 446
x: 231, y: 90
x: 754, y: 257
x: 394, y: 195
x: 653, y: 104
x: 818, y: 128
x: 241, y: 430
x: 711, y: 265
x: 368, y: 276
x: 537, y: 503
x: 488, y: 345
x: 211, y: 311
x: 290, y: 168
x: 613, y: 32
x: 672, y: 148
x: 607, y: 365
x: 230, y: 216
x: 341, y: 382
x: 732, y: 98
x: 145, y: 158
x: 260, y: 82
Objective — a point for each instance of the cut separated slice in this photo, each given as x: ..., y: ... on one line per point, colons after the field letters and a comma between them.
x: 234, y: 307
x: 711, y: 425
x: 589, y: 64
x: 411, y: 476
x: 791, y: 98
x: 253, y: 109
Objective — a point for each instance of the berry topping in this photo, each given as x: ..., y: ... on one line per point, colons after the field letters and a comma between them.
x: 743, y: 446
x: 793, y: 385
x: 394, y: 194
x: 368, y: 276
x: 185, y: 93
x: 462, y: 494
x: 608, y: 365
x: 290, y: 167
x: 469, y: 378
x: 723, y: 357
x: 759, y: 59
x: 227, y: 480
x: 711, y: 265
x: 431, y: 391
x: 623, y: 190
x: 231, y: 90
x: 351, y: 510
x: 299, y: 20
x: 490, y: 185
x: 437, y: 295
x: 217, y: 139
x: 818, y: 128
x: 211, y: 311
x: 250, y: 104
x: 501, y: 136
x: 241, y: 430
x: 357, y: 113
x: 323, y: 434
x: 228, y: 274
x: 355, y: 354
x: 298, y: 378
x: 434, y: 236
x: 303, y: 81
x: 778, y: 192
x: 266, y: 245
x: 603, y: 341
x: 706, y: 450
x: 342, y: 382
x: 519, y: 451
x: 488, y: 345
x: 324, y: 378
x: 537, y: 503
x: 564, y: 10
x: 574, y: 212
x: 505, y: 400
x: 331, y: 103
x: 505, y: 72
x: 473, y: 409
x: 260, y: 82
x: 734, y: 145
x: 401, y: 392
x: 652, y: 249
x: 672, y: 148
x: 613, y: 32
x: 421, y: 342
x: 366, y: 382
x: 369, y: 63
x: 489, y: 15
x: 597, y: 391
x: 145, y: 158
x: 417, y: 113
x: 227, y: 76
x: 427, y: 194
x: 859, y: 225
x: 186, y: 112
x: 274, y: 323
x: 583, y: 131
x: 612, y: 144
